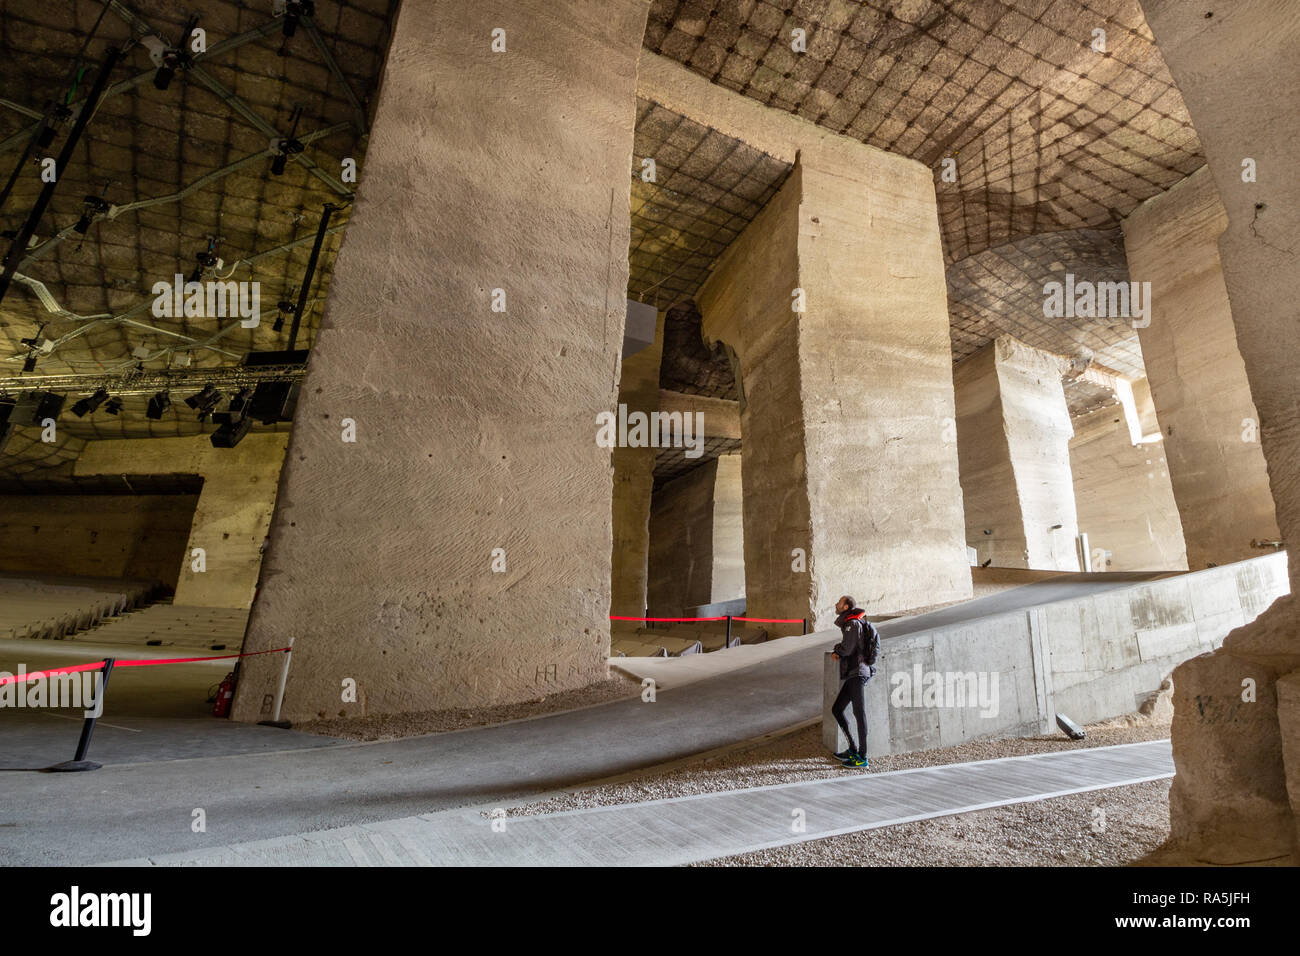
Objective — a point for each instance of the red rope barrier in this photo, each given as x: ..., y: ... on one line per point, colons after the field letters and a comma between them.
x: 756, y: 620
x: 139, y: 662
x: 613, y: 618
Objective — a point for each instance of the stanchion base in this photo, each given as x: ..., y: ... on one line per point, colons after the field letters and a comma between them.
x: 72, y: 766
x: 282, y: 724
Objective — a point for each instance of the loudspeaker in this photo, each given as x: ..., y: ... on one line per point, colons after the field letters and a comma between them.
x: 230, y: 434
x: 49, y: 406
x: 273, y: 402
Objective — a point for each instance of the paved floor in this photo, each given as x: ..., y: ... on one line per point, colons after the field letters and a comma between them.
x: 143, y: 805
x: 703, y: 827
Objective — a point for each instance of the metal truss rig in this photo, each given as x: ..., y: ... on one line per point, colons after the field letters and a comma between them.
x: 150, y: 381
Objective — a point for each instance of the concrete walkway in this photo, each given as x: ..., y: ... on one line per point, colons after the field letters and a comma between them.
x: 704, y: 827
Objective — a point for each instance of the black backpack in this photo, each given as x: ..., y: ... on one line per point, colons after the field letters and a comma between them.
x: 871, y: 637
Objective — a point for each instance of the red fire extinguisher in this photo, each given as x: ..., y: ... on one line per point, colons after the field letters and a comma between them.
x: 225, y: 694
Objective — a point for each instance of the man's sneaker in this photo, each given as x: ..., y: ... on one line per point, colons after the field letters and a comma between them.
x: 856, y: 760
x: 846, y: 754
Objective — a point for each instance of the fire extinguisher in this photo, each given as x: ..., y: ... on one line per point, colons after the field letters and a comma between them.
x: 225, y: 693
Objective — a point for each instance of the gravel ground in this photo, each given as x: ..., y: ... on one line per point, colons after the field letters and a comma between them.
x: 392, y: 726
x: 1104, y: 828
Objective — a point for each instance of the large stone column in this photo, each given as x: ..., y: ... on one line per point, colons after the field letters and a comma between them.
x: 1197, y: 377
x: 1236, y: 796
x: 1123, y: 496
x: 1013, y: 441
x: 835, y: 301
x: 696, y: 539
x: 634, y: 468
x: 457, y: 552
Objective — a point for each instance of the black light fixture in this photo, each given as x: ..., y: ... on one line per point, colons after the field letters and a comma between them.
x: 113, y: 406
x: 293, y: 10
x: 91, y: 206
x: 284, y: 307
x: 171, y: 59
x: 288, y: 146
x: 204, y: 260
x: 86, y: 405
x: 204, y: 402
x: 29, y: 363
x: 158, y: 406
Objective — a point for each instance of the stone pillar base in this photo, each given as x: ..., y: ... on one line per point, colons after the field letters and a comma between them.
x: 1229, y: 802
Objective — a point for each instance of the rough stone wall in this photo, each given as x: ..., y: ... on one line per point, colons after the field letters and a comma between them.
x: 1013, y: 434
x: 113, y: 536
x: 681, y: 542
x: 747, y: 304
x: 1123, y: 496
x: 855, y: 398
x: 1197, y: 376
x: 633, y: 484
x: 728, y: 530
x: 876, y: 360
x: 849, y: 454
x: 233, y: 513
x: 1238, y: 783
x: 1037, y: 423
x: 475, y: 430
x: 994, y: 526
x: 697, y: 539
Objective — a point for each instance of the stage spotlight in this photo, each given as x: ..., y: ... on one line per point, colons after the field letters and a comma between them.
x: 204, y: 402
x: 87, y: 405
x: 113, y: 406
x: 158, y: 406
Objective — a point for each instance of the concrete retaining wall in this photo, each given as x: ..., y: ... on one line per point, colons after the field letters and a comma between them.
x: 1091, y: 658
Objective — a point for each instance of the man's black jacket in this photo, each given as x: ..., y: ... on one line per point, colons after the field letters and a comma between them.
x: 857, y: 631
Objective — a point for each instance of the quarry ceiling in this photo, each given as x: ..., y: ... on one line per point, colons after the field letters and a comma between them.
x: 1053, y: 142
x: 1047, y: 133
x: 207, y: 136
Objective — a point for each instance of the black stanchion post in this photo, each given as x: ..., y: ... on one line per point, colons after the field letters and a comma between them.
x: 79, y: 762
x: 728, y: 630
x: 805, y: 625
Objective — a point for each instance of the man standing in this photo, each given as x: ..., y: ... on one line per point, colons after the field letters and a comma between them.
x: 857, y: 656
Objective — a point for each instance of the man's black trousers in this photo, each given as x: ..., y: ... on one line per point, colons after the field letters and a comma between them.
x: 851, y: 692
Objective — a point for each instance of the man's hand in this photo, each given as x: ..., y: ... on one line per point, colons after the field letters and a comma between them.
x: 834, y: 656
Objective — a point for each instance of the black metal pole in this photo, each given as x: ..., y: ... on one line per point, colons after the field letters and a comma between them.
x: 728, y: 630
x: 27, y: 152
x: 18, y: 249
x: 79, y: 762
x: 805, y: 625
x: 311, y: 270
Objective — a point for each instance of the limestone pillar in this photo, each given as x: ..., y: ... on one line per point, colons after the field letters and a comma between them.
x: 834, y: 300
x: 1013, y: 437
x: 1235, y: 795
x: 638, y: 389
x: 1123, y: 496
x: 443, y: 536
x: 1197, y: 377
x: 697, y: 539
